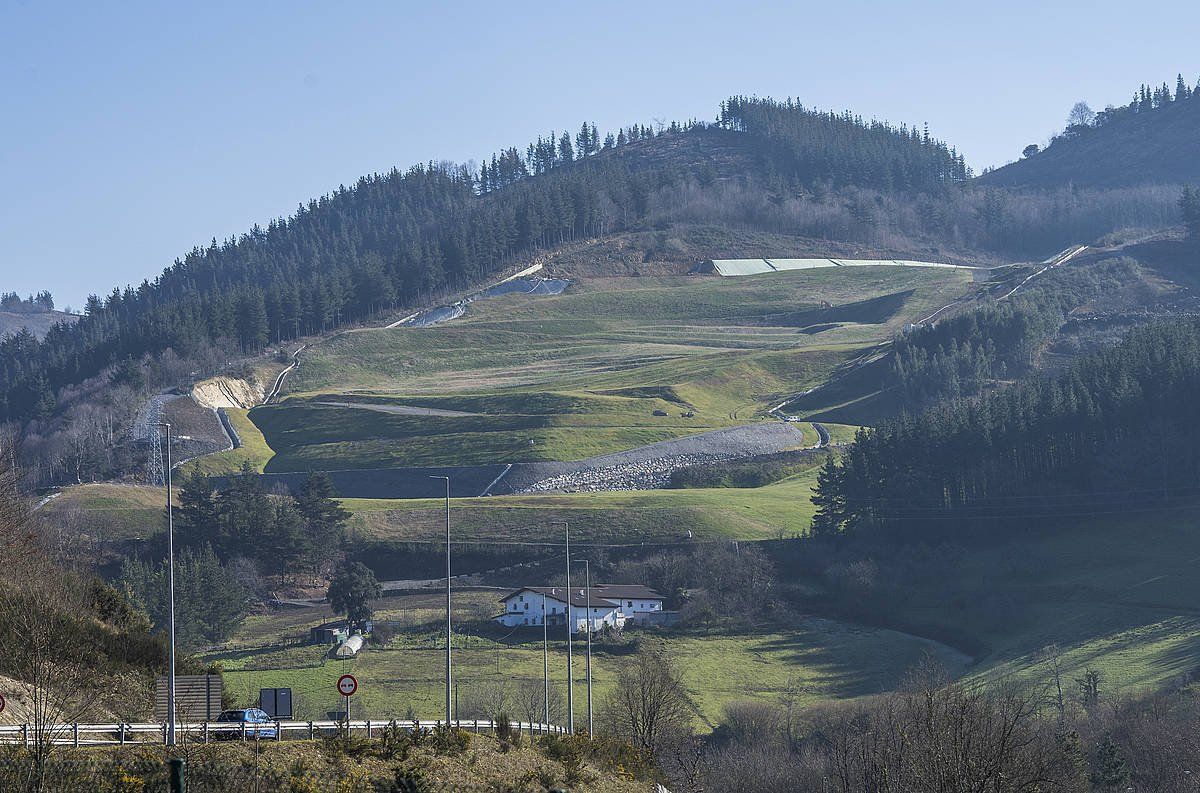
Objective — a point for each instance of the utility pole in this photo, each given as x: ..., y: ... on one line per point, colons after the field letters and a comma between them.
x: 449, y: 675
x: 545, y: 665
x: 170, y: 596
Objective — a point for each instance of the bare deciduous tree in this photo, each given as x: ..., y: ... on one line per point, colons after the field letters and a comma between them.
x: 649, y: 703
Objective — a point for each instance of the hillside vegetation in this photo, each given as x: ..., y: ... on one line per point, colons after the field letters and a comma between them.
x: 583, y: 373
x: 1153, y: 140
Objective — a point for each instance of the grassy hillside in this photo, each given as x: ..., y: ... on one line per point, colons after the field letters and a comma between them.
x: 1161, y: 146
x: 36, y: 322
x: 107, y: 513
x: 818, y: 659
x: 253, y: 450
x: 582, y: 374
x: 783, y: 509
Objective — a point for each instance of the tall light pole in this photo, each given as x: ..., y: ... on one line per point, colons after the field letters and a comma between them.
x: 570, y: 632
x: 170, y: 596
x: 449, y: 695
x: 545, y: 665
x: 587, y: 587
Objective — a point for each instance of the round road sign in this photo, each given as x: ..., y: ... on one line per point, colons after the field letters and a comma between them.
x: 347, y: 685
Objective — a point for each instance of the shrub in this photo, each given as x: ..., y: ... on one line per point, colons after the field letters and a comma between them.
x: 395, y: 742
x: 450, y: 740
x: 411, y: 780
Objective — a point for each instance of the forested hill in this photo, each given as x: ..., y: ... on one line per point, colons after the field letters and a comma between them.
x: 1153, y: 140
x: 391, y: 239
x: 1116, y: 431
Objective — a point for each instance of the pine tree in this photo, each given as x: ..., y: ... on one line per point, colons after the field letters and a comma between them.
x: 324, y: 517
x: 1111, y: 769
x: 1189, y: 209
x: 197, y: 520
x: 565, y: 152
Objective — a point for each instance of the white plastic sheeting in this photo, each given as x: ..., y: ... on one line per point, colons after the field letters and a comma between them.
x: 350, y: 647
x: 733, y: 267
x: 742, y: 266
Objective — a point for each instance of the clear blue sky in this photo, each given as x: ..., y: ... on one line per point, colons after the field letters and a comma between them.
x: 132, y: 131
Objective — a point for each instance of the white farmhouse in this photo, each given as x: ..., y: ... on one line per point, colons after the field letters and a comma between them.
x: 611, y: 604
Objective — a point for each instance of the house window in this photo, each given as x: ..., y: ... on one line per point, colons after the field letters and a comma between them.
x: 527, y: 607
x: 631, y: 604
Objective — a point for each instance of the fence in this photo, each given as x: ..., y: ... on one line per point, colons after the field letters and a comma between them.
x: 119, y: 734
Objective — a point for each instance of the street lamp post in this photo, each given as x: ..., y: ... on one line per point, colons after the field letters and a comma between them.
x: 449, y: 676
x: 570, y: 633
x: 587, y: 587
x: 545, y: 665
x: 170, y: 596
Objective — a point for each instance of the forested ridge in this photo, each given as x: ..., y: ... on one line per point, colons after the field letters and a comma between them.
x: 392, y: 238
x: 1115, y: 431
x: 1151, y: 140
x: 999, y: 340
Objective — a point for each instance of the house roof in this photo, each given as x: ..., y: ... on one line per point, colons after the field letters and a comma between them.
x: 602, y: 594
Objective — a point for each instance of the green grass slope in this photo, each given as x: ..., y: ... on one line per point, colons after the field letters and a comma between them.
x: 581, y: 374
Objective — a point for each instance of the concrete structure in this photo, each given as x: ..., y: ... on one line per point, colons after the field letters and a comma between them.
x: 613, y: 605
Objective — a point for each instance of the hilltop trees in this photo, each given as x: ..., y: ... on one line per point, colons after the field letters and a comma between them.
x: 812, y: 147
x: 1081, y: 115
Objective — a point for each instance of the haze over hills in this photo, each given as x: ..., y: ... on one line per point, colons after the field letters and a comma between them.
x: 832, y: 466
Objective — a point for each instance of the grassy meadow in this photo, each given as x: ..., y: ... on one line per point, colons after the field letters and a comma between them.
x: 814, y: 659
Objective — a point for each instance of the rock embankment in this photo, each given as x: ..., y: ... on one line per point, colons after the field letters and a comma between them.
x: 649, y: 467
x: 640, y: 475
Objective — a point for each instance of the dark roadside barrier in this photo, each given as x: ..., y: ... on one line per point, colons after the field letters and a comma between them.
x: 465, y: 481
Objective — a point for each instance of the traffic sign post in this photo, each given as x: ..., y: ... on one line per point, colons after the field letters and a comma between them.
x: 346, y: 686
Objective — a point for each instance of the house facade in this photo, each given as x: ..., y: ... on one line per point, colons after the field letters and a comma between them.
x: 612, y: 605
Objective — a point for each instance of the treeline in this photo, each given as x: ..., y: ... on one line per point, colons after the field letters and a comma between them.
x: 809, y: 146
x: 210, y: 599
x: 1116, y: 431
x: 936, y: 735
x: 385, y: 242
x: 282, y: 534
x: 227, y: 542
x: 1145, y: 99
x: 11, y: 301
x: 962, y: 355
